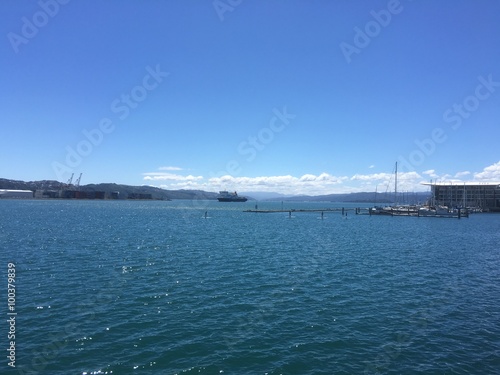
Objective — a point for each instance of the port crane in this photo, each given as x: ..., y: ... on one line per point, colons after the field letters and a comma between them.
x: 70, y: 180
x: 77, y: 183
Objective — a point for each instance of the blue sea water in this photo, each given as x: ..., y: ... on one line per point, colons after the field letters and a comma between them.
x: 154, y: 287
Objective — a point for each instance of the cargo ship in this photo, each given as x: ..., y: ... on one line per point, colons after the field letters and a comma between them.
x: 225, y: 196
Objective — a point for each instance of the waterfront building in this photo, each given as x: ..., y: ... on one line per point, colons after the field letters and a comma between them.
x: 480, y: 195
x: 11, y: 193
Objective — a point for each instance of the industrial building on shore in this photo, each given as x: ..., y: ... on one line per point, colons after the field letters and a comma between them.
x: 484, y: 196
x: 12, y: 193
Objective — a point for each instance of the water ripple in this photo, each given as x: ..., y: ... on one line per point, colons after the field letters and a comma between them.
x: 152, y: 287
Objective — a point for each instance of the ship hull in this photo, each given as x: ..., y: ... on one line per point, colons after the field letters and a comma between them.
x: 239, y: 199
x: 225, y: 196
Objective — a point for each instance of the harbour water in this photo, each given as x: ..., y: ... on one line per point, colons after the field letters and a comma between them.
x: 155, y: 287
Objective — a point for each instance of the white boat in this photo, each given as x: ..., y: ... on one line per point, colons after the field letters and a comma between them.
x: 437, y: 211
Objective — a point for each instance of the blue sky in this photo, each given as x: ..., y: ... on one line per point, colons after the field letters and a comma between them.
x: 309, y: 97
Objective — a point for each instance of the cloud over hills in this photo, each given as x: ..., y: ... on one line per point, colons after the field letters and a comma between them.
x: 312, y: 184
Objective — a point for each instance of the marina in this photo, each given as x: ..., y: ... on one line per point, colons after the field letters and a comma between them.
x: 429, y: 209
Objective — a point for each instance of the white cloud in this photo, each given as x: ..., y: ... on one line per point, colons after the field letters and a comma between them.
x: 407, y: 181
x: 186, y: 185
x: 167, y: 176
x: 306, y: 184
x: 371, y: 166
x: 431, y: 173
x: 462, y: 174
x: 372, y: 177
x: 162, y: 176
x: 489, y: 174
x: 410, y: 181
x: 170, y: 169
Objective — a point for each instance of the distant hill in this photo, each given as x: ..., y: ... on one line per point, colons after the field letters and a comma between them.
x: 123, y: 190
x: 264, y: 196
x: 30, y: 185
x: 364, y: 197
x: 157, y: 193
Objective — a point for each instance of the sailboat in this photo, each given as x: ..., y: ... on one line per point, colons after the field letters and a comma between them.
x: 379, y: 210
x: 416, y: 210
x: 396, y: 209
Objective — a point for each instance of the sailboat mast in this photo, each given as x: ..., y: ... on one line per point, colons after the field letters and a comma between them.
x: 396, y: 184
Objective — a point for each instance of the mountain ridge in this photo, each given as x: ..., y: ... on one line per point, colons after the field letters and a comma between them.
x: 123, y: 190
x: 127, y: 191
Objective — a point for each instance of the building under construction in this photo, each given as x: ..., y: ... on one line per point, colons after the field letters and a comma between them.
x: 484, y: 196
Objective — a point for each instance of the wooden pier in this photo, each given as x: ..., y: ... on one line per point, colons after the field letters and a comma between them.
x: 374, y: 211
x: 342, y: 210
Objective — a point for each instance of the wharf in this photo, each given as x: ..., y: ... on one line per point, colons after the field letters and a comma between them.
x: 342, y: 210
x: 376, y: 211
